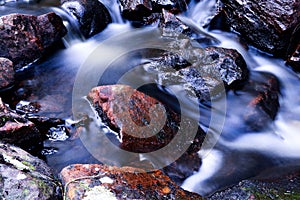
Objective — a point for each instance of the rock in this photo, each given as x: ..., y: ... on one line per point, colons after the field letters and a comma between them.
x: 106, y: 182
x: 7, y: 73
x: 263, y: 107
x: 17, y: 130
x: 268, y: 25
x: 294, y: 59
x: 23, y: 176
x: 286, y: 187
x: 205, y: 72
x: 91, y: 15
x: 25, y: 37
x: 172, y: 27
x: 138, y: 9
x: 143, y: 123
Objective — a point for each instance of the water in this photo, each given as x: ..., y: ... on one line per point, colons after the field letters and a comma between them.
x: 239, y: 153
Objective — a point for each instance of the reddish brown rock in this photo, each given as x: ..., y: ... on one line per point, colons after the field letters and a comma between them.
x: 143, y: 123
x: 7, y: 73
x: 264, y: 106
x: 106, y: 182
x: 15, y: 129
x: 24, y: 38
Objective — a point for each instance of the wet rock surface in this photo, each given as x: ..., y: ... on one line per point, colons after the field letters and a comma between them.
x: 23, y: 176
x: 286, y: 187
x: 7, y: 73
x: 91, y: 15
x: 203, y: 72
x: 25, y: 37
x: 17, y: 130
x: 263, y: 108
x: 144, y: 124
x: 139, y: 9
x: 106, y: 182
x: 268, y: 25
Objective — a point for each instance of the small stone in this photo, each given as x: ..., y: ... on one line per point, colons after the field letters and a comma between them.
x: 7, y: 73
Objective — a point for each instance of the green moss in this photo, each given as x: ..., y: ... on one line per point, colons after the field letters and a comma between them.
x: 30, y: 166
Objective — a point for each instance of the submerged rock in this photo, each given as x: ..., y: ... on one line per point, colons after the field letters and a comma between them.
x: 91, y: 15
x: 7, y: 73
x: 24, y: 38
x: 106, y: 182
x: 264, y: 106
x: 25, y: 177
x: 144, y: 124
x: 268, y: 25
x: 17, y: 130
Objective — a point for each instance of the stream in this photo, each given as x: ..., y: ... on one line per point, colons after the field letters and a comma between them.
x: 60, y: 81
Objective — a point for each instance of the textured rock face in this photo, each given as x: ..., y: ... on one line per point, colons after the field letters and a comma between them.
x: 268, y: 25
x: 144, y: 124
x: 138, y: 9
x: 15, y: 129
x: 87, y: 181
x: 205, y: 72
x: 91, y: 15
x: 24, y: 37
x: 7, y: 73
x: 23, y: 176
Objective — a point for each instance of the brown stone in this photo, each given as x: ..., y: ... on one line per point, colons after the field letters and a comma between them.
x: 84, y: 181
x: 144, y: 124
x: 24, y: 38
x: 7, y: 73
x: 17, y: 130
x: 263, y: 107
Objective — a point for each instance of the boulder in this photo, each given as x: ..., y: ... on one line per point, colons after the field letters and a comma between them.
x: 269, y: 25
x: 83, y: 181
x: 205, y: 72
x: 17, y: 130
x: 143, y: 123
x: 7, y: 73
x: 25, y: 177
x: 24, y: 38
x: 91, y: 15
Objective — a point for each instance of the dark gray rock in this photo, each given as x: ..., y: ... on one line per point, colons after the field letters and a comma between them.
x: 24, y: 38
x: 25, y: 177
x: 268, y: 25
x: 7, y: 73
x: 205, y: 72
x: 138, y: 9
x: 91, y: 15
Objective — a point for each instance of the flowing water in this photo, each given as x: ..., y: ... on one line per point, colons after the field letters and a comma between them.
x: 238, y: 154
